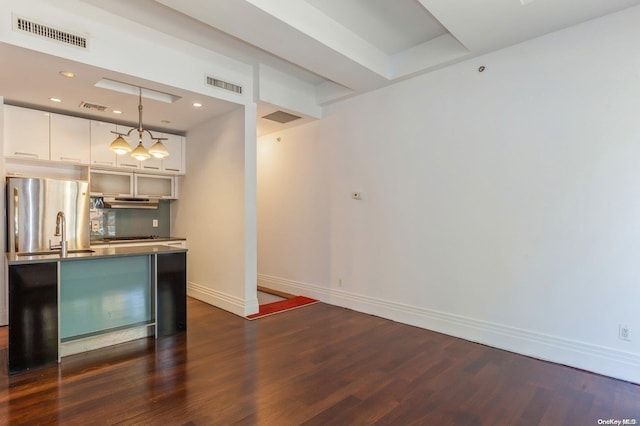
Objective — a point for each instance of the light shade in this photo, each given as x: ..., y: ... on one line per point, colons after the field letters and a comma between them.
x: 158, y: 150
x: 120, y: 146
x: 140, y: 153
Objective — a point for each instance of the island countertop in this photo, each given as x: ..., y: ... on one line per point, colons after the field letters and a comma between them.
x: 92, y: 298
x: 20, y: 259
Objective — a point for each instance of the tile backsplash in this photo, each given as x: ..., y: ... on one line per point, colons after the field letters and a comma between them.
x: 129, y: 222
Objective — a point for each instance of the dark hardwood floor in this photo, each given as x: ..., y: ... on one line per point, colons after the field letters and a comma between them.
x: 318, y: 365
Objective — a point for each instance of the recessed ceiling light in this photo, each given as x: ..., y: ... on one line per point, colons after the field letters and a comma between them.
x: 67, y: 74
x: 197, y: 104
x: 55, y: 100
x: 117, y: 111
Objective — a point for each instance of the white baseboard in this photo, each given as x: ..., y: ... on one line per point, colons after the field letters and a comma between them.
x: 585, y: 356
x: 216, y: 298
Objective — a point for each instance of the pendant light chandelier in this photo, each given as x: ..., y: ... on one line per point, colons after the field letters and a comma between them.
x: 120, y: 145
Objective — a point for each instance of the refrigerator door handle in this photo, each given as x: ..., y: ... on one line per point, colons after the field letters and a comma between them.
x: 15, y: 220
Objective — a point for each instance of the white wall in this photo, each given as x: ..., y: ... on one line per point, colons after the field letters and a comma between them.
x: 212, y: 213
x: 293, y: 206
x: 502, y: 207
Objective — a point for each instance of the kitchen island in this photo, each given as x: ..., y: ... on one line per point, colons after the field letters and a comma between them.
x: 59, y: 306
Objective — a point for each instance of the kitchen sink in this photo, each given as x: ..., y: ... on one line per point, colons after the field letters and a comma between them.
x: 52, y: 252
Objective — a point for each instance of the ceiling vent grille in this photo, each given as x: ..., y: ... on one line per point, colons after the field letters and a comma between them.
x: 225, y: 85
x: 89, y: 105
x: 281, y: 117
x: 48, y: 32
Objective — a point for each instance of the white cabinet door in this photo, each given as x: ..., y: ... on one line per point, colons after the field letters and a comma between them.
x: 175, y: 162
x: 101, y: 138
x: 124, y: 184
x: 108, y: 183
x: 155, y: 186
x: 153, y: 165
x: 70, y: 139
x: 126, y: 161
x: 26, y: 133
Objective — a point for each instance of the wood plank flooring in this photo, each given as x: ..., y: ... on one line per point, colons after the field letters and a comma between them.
x: 318, y: 365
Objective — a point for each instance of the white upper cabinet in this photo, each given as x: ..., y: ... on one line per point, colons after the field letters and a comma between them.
x: 131, y: 184
x: 126, y: 161
x: 70, y: 139
x: 38, y: 135
x: 101, y: 138
x: 111, y: 183
x: 175, y: 162
x: 26, y: 133
x: 151, y: 164
x: 101, y: 154
x: 155, y: 186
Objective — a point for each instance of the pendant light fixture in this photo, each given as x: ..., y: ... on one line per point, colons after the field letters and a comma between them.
x: 120, y: 145
x: 158, y: 150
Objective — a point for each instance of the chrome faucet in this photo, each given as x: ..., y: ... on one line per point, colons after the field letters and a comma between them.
x: 61, y: 231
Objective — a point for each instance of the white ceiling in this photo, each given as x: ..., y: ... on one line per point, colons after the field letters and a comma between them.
x: 34, y: 77
x: 340, y: 47
x: 354, y: 43
x: 391, y: 26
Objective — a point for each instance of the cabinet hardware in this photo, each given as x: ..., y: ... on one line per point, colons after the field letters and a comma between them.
x: 26, y: 154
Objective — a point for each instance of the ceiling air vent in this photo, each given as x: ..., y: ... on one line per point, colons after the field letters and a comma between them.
x: 212, y: 81
x: 281, y: 117
x: 89, y: 105
x: 48, y: 32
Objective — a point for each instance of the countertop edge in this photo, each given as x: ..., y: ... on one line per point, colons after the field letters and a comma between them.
x: 98, y: 253
x: 96, y: 243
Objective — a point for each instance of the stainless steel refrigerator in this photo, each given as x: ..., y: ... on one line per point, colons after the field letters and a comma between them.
x: 32, y: 211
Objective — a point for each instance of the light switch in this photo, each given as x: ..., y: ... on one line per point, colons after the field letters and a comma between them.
x: 155, y: 223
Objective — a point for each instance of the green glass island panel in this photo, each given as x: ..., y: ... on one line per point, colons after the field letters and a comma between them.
x: 103, y: 294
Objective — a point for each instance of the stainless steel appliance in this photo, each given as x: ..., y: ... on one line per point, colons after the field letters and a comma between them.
x: 129, y: 203
x: 36, y: 209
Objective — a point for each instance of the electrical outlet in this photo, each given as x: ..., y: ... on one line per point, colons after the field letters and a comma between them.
x: 155, y: 223
x: 624, y: 333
